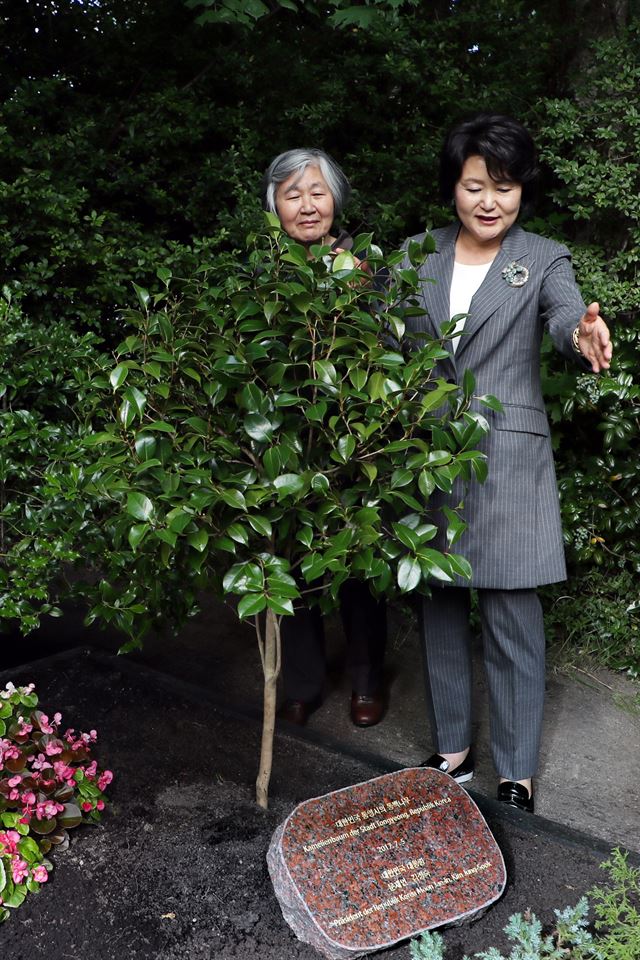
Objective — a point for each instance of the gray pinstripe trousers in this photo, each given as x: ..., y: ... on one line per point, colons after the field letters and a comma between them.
x: 514, y: 658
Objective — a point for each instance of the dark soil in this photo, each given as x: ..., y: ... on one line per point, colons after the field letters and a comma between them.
x: 177, y: 867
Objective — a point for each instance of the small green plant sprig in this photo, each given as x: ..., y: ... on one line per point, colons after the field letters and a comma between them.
x: 569, y: 941
x: 48, y: 784
x: 617, y: 924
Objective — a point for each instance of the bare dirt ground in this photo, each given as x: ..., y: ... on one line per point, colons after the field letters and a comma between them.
x: 177, y: 871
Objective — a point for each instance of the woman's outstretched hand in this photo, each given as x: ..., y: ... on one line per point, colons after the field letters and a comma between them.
x: 594, y: 340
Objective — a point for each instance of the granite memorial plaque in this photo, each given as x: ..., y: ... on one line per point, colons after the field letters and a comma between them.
x: 360, y: 869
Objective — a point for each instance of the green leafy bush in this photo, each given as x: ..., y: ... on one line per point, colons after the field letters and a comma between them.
x: 591, y: 142
x: 265, y: 431
x: 45, y: 370
x: 596, y: 620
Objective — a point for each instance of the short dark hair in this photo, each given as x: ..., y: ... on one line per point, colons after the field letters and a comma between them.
x: 505, y: 145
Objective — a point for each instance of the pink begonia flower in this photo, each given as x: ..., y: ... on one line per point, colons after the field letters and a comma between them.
x: 9, y: 841
x: 29, y: 798
x: 100, y: 805
x: 52, y: 748
x: 14, y: 794
x: 41, y: 763
x: 105, y: 779
x: 69, y: 735
x: 25, y: 728
x: 40, y: 874
x: 86, y: 806
x: 48, y: 809
x: 19, y: 870
x: 45, y: 726
x: 15, y: 781
x: 91, y: 770
x: 64, y: 773
x: 10, y: 752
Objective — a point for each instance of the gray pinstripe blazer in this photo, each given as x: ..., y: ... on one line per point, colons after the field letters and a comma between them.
x: 514, y: 535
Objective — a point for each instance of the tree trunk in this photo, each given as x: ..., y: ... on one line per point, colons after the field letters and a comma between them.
x: 270, y: 655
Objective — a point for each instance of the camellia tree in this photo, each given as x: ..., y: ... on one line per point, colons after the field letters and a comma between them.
x: 266, y: 432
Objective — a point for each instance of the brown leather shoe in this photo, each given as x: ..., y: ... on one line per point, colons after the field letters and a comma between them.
x: 366, y: 710
x: 297, y: 711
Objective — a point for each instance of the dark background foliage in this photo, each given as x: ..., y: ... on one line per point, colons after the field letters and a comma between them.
x: 134, y: 135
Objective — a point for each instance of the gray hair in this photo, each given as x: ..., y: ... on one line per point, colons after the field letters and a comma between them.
x: 295, y: 161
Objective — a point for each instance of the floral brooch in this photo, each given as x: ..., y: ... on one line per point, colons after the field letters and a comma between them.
x: 515, y: 274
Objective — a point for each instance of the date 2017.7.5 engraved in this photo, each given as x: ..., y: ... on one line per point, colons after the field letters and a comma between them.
x: 387, y: 847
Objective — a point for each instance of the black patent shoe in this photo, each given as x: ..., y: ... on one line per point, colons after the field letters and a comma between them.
x: 516, y: 795
x: 463, y: 773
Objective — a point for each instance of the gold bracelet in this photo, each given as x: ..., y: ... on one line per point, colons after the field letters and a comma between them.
x: 575, y: 341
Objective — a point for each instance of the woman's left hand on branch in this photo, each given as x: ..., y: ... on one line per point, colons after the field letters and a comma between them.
x: 594, y: 340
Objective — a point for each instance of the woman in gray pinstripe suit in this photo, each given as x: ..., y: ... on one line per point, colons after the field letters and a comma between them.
x: 508, y: 286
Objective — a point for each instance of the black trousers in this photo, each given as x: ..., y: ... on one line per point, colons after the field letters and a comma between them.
x: 364, y: 620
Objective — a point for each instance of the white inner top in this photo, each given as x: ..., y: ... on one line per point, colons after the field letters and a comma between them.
x: 466, y: 279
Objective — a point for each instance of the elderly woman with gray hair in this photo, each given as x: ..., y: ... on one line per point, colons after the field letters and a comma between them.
x: 308, y: 190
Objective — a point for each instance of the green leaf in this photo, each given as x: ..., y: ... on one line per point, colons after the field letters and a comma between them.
x: 320, y: 483
x: 258, y: 427
x: 198, y: 540
x: 145, y: 445
x: 460, y: 565
x: 238, y: 533
x: 358, y: 378
x: 406, y: 536
x: 29, y: 850
x: 139, y: 506
x: 118, y: 375
x: 492, y: 402
x: 160, y: 425
x: 143, y: 296
x: 345, y: 447
x: 166, y: 536
x: 243, y: 578
x: 178, y: 519
x: 136, y: 398
x: 426, y: 483
x: 261, y: 525
x: 280, y: 606
x: 409, y: 574
x: 325, y: 372
x: 288, y: 484
x: 455, y: 525
x: 468, y: 383
x: 137, y: 534
x: 272, y: 462
x: 401, y: 478
x: 343, y: 261
x: 234, y: 498
x: 437, y: 458
x: 370, y: 470
x: 251, y: 604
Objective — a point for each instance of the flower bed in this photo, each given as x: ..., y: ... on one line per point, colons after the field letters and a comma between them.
x: 48, y: 784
